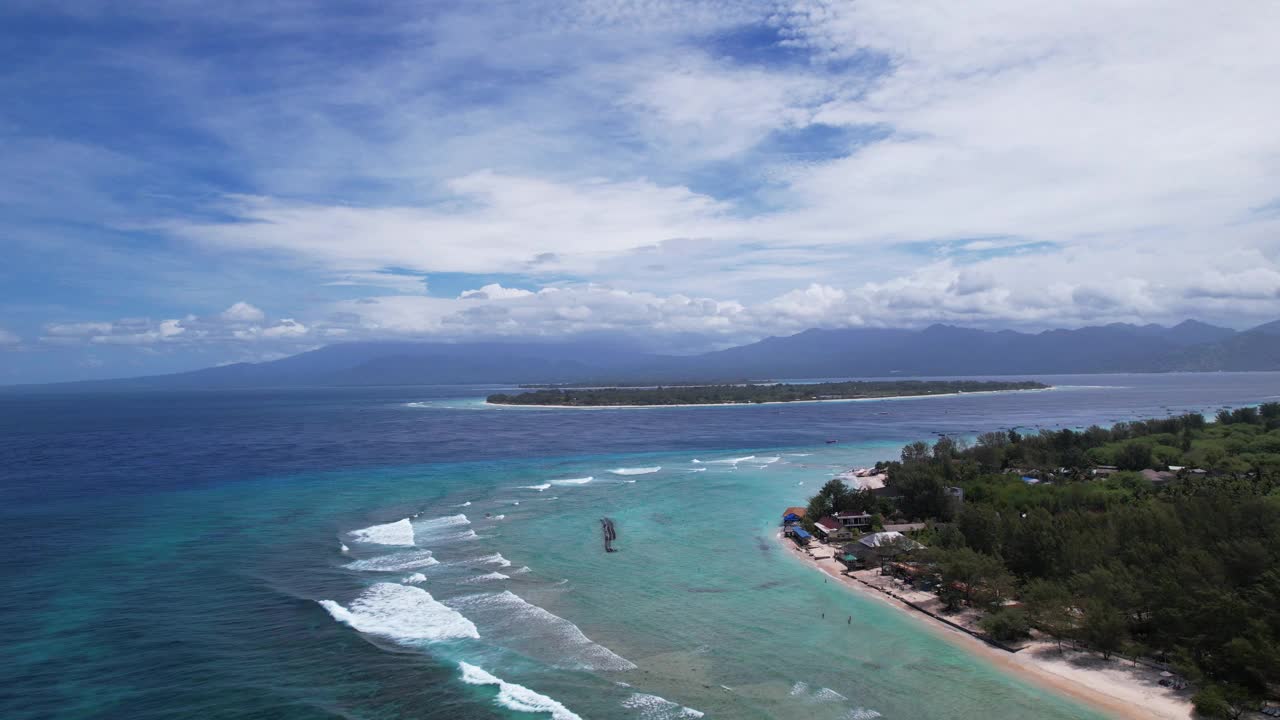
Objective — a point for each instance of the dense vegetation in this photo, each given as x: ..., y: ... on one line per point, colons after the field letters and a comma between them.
x: 752, y: 393
x: 1186, y: 572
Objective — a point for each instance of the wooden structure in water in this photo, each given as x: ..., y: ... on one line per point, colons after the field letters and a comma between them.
x: 610, y: 534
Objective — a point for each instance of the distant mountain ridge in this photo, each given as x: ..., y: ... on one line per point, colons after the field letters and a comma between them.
x: 815, y: 353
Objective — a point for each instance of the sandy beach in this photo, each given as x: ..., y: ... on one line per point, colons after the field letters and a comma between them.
x: 1115, y: 687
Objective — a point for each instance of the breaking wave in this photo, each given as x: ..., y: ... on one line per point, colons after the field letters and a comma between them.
x: 726, y: 461
x: 636, y: 471
x: 768, y: 460
x: 862, y: 714
x: 494, y: 559
x: 414, y: 578
x: 539, y: 488
x: 442, y: 523
x: 534, y: 631
x: 652, y: 707
x: 395, y: 562
x: 516, y: 697
x: 574, y: 481
x: 801, y: 690
x: 399, y: 532
x: 487, y: 577
x: 402, y: 613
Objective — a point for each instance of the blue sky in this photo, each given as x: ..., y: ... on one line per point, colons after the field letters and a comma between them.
x: 187, y: 184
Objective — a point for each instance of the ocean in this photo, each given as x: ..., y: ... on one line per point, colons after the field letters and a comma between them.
x: 409, y: 552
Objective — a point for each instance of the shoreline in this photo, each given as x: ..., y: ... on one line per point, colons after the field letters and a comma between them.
x: 771, y: 402
x: 1114, y: 690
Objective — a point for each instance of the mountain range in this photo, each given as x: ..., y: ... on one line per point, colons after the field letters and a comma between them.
x: 816, y: 353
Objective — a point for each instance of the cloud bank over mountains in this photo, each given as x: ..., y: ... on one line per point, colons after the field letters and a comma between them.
x: 706, y: 172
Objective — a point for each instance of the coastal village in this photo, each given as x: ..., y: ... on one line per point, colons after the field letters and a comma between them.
x: 981, y: 567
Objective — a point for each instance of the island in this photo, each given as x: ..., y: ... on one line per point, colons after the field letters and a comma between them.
x: 751, y: 393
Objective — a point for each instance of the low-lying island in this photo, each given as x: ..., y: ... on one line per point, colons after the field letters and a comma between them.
x: 751, y: 393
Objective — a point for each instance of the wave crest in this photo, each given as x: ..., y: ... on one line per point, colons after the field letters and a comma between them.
x: 399, y: 532
x: 402, y: 613
x: 516, y: 697
x: 535, y: 631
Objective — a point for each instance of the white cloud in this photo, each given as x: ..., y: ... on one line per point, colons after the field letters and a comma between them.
x: 241, y: 322
x: 8, y: 339
x: 493, y: 291
x: 243, y: 312
x: 1006, y: 163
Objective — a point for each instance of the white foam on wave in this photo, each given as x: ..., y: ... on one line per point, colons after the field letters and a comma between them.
x: 516, y: 697
x: 465, y: 504
x: 414, y: 578
x: 494, y: 559
x: 725, y: 461
x: 801, y: 690
x: 799, y: 454
x: 522, y: 570
x: 499, y: 517
x: 862, y: 714
x: 399, y: 532
x: 539, y: 488
x: 444, y: 522
x: 636, y: 471
x: 403, y: 613
x: 344, y: 547
x: 698, y: 470
x: 652, y: 707
x: 574, y: 481
x: 487, y: 577
x: 534, y: 631
x: 768, y: 460
x: 395, y: 562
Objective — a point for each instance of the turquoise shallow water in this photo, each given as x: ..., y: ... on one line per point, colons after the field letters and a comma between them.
x: 195, y: 567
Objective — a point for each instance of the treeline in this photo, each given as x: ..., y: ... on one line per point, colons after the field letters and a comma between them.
x: 752, y: 393
x: 1187, y: 572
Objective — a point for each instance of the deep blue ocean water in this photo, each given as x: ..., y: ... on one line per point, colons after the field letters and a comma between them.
x: 167, y: 554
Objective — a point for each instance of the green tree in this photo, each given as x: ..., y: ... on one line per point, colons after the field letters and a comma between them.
x: 1134, y: 456
x: 1048, y: 605
x: 980, y: 526
x: 1006, y: 624
x: 1102, y: 628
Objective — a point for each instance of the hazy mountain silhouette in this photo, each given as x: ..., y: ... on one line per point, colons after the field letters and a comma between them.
x: 851, y: 352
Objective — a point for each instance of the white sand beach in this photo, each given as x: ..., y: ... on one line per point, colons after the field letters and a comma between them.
x: 1115, y: 687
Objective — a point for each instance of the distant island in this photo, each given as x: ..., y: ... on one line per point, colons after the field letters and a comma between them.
x: 740, y: 394
x: 638, y: 384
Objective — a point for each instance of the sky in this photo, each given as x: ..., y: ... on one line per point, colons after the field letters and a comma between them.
x: 187, y: 184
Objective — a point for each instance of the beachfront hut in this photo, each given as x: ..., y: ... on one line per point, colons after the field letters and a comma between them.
x: 830, y: 529
x: 876, y: 548
x: 792, y: 515
x: 799, y: 534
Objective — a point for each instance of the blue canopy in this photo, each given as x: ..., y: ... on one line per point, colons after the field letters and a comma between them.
x: 789, y: 517
x: 801, y: 533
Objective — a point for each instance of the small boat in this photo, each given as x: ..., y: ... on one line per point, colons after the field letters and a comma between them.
x: 832, y: 442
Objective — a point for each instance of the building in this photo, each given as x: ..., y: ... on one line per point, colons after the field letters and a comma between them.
x: 830, y: 529
x: 1158, y: 477
x: 876, y: 548
x: 859, y: 521
x: 798, y: 534
x: 792, y: 515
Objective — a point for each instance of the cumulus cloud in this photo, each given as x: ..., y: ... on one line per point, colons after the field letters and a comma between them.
x: 243, y: 312
x: 8, y: 339
x: 493, y: 291
x: 240, y: 322
x: 651, y: 171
